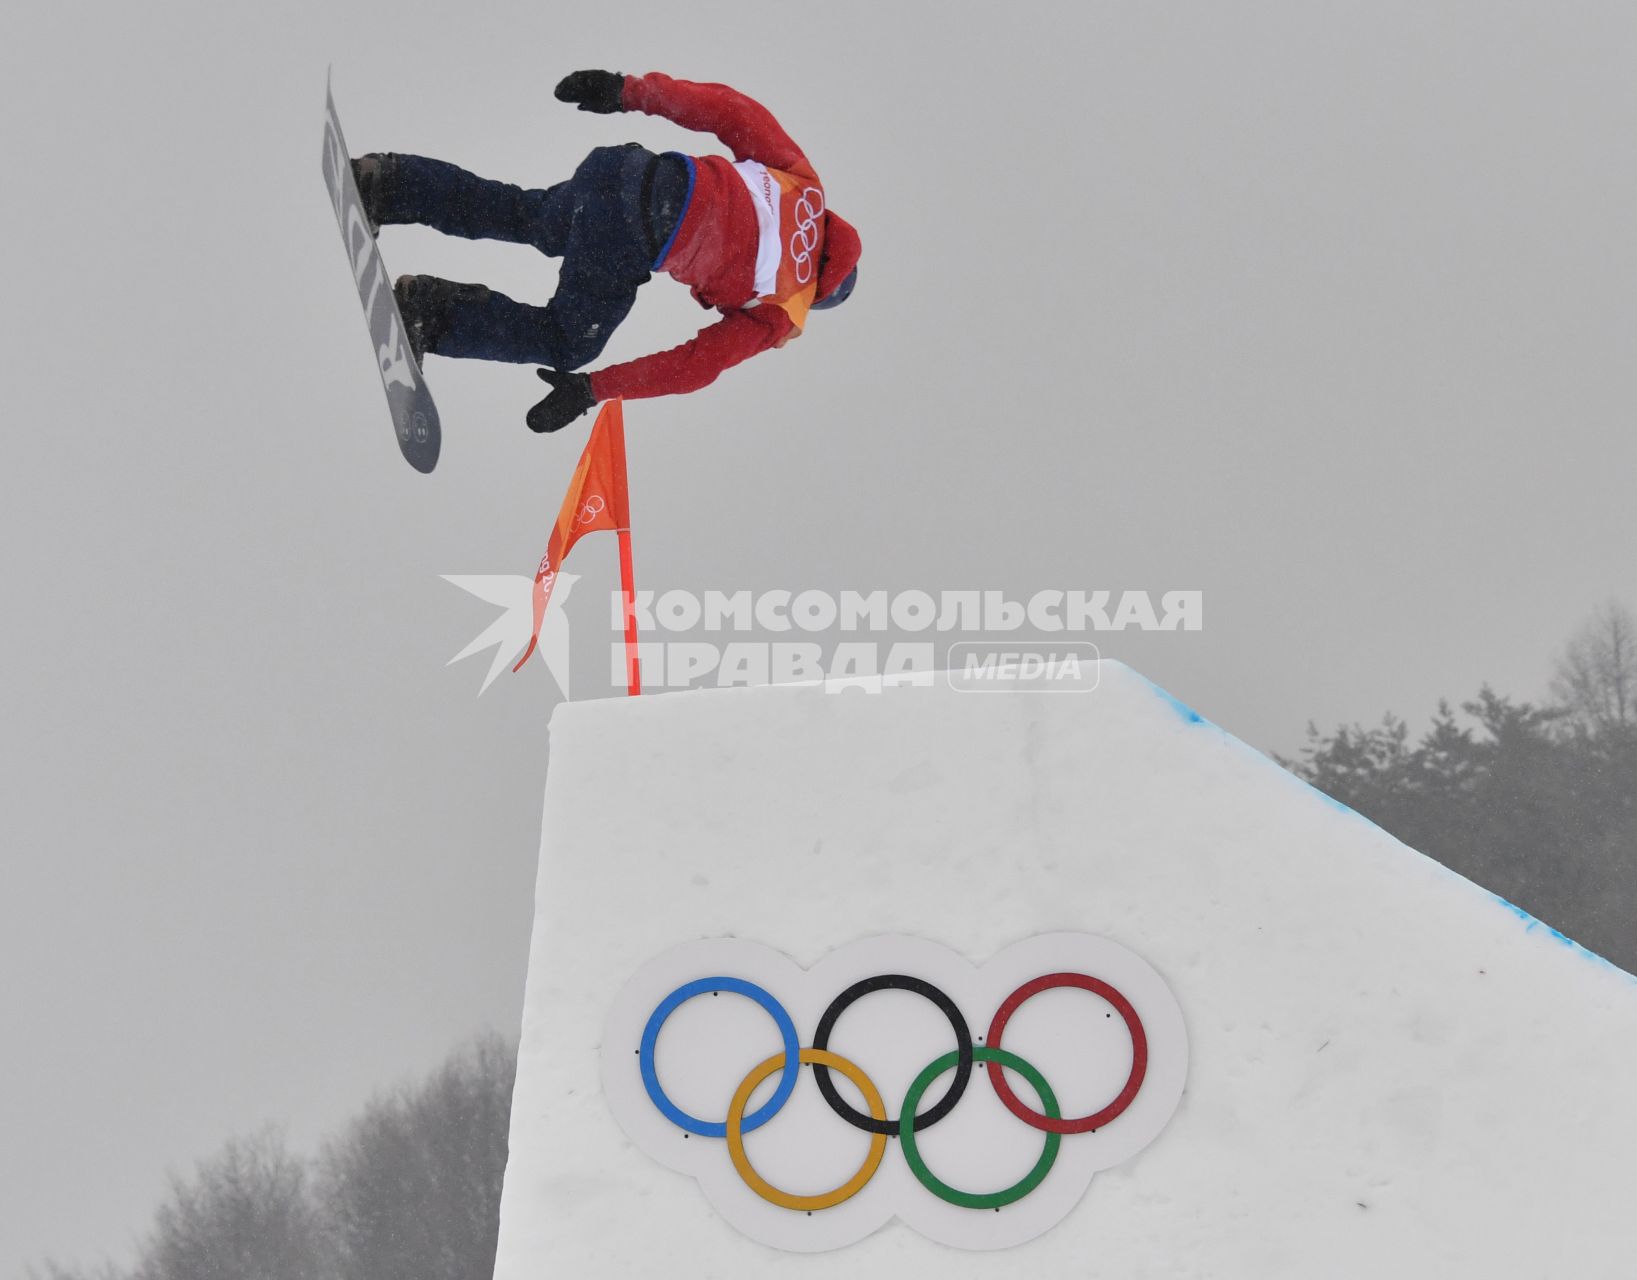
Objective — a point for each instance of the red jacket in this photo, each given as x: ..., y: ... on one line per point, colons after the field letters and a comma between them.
x: 715, y: 247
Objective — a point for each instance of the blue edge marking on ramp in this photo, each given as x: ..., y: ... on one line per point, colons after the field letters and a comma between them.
x: 1531, y: 923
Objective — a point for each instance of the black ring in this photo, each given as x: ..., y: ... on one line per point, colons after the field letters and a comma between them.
x: 963, y: 1045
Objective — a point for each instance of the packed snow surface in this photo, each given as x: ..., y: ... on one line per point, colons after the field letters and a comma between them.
x: 1390, y: 1071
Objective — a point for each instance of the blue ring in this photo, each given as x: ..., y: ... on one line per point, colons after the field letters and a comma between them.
x: 668, y: 1006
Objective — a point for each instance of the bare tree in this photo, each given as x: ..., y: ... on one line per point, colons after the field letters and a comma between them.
x: 245, y: 1215
x: 50, y: 1270
x: 1597, y: 675
x: 412, y: 1189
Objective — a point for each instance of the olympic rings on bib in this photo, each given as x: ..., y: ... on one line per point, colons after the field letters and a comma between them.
x: 804, y: 240
x: 911, y: 1120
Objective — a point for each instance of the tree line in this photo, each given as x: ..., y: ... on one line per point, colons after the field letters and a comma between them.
x: 1537, y: 803
x: 410, y: 1190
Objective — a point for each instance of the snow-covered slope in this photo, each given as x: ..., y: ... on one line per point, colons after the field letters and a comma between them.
x: 1390, y: 1071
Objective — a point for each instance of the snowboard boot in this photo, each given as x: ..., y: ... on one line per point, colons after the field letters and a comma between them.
x: 426, y: 304
x: 374, y: 174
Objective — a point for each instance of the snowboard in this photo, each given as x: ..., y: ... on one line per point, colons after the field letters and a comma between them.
x: 414, y: 416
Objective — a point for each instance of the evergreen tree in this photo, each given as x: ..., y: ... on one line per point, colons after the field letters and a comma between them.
x: 1536, y: 803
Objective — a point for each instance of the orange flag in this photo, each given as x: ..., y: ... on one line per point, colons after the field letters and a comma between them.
x: 596, y: 499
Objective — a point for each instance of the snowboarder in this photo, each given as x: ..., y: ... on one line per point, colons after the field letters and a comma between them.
x: 754, y: 239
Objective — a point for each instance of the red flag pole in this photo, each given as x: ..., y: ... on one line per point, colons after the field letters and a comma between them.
x: 628, y: 586
x: 633, y: 669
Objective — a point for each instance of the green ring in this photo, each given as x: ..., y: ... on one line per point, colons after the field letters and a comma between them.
x: 966, y: 1199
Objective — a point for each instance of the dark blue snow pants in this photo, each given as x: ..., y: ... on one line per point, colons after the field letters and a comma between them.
x: 595, y: 222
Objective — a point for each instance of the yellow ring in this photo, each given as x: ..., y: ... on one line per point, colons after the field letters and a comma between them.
x: 760, y: 1185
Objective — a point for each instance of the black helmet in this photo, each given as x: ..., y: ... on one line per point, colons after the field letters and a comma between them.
x: 842, y: 292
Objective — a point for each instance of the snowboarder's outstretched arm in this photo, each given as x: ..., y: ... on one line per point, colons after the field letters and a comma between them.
x: 696, y: 363
x: 718, y: 347
x: 747, y: 127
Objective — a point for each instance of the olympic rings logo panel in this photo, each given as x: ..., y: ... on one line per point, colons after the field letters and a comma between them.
x: 895, y: 1079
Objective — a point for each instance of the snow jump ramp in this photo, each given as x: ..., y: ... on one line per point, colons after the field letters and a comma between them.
x: 1276, y: 1041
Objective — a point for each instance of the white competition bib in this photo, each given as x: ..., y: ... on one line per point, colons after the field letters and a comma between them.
x: 764, y: 194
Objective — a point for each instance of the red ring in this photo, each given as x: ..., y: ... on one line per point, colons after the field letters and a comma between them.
x: 1139, y: 1053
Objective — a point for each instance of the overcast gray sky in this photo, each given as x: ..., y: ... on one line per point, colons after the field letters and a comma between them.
x: 1325, y: 309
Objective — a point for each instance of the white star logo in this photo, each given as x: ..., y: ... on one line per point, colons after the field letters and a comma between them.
x: 509, y: 633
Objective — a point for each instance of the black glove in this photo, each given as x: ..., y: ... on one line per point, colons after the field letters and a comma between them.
x: 597, y: 91
x: 570, y: 397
